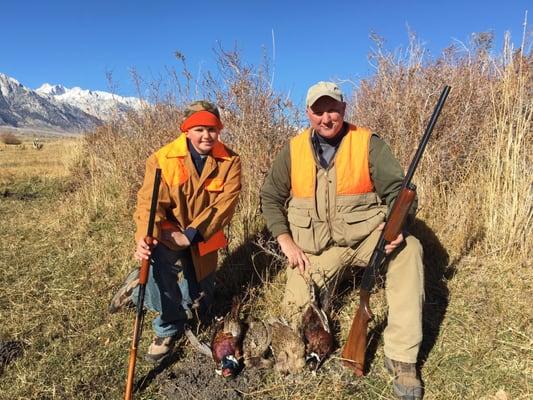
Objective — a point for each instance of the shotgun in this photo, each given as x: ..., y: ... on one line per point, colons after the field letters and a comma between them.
x: 353, y: 353
x: 143, y: 278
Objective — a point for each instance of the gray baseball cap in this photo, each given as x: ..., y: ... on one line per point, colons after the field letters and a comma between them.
x: 323, y: 89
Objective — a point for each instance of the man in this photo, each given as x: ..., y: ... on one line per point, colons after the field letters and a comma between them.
x: 201, y: 181
x: 325, y: 200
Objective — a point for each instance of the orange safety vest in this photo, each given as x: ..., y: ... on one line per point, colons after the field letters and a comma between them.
x: 351, y: 164
x: 171, y: 159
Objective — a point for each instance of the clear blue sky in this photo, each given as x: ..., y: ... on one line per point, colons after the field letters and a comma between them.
x: 75, y: 43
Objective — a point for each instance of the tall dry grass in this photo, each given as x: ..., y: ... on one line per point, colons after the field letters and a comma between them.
x: 508, y: 212
x: 474, y: 180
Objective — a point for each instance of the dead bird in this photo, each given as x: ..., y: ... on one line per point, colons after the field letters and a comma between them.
x: 226, y: 342
x: 316, y: 330
x: 256, y: 344
x: 287, y: 347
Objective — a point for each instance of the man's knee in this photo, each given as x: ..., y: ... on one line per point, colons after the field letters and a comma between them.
x: 406, y: 267
x: 296, y: 294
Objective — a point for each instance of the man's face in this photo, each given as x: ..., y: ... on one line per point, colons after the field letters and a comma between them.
x: 203, y: 138
x: 326, y: 116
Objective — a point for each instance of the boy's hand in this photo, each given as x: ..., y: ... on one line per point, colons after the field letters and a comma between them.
x: 180, y: 239
x: 142, y: 252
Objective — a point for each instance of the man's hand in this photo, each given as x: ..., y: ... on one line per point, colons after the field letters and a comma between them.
x: 294, y: 254
x: 389, y: 248
x: 142, y: 252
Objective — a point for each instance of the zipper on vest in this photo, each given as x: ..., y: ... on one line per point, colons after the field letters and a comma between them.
x: 328, y: 215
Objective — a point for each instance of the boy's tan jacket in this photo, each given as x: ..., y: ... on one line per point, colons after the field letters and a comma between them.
x: 205, y: 202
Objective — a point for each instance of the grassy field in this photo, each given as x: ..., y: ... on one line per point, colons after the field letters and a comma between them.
x: 59, y: 271
x: 66, y: 232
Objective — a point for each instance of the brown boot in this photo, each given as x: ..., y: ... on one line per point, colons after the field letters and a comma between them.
x: 123, y: 296
x: 160, y: 348
x: 406, y: 384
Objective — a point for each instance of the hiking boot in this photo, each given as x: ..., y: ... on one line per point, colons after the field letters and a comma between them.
x: 160, y: 348
x: 123, y: 296
x: 406, y: 384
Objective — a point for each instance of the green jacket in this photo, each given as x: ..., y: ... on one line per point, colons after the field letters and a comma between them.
x: 386, y: 174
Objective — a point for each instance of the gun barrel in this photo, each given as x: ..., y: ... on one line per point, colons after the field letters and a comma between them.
x: 153, y: 206
x: 143, y: 278
x: 425, y: 137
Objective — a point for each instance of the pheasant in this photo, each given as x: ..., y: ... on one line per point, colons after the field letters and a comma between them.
x: 316, y: 331
x: 226, y: 343
x: 256, y: 344
x: 287, y: 347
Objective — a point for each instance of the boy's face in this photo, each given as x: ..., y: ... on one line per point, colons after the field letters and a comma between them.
x: 203, y: 138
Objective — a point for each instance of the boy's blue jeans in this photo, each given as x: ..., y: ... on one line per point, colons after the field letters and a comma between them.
x: 172, y: 288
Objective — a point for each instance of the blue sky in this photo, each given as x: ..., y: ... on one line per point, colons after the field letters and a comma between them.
x: 76, y: 43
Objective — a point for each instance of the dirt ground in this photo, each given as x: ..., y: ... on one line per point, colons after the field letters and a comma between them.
x: 194, y: 377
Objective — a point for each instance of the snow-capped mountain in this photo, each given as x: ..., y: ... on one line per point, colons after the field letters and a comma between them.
x: 57, y: 107
x: 102, y: 105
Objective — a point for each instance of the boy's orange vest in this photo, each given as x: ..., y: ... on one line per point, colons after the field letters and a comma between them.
x: 174, y: 173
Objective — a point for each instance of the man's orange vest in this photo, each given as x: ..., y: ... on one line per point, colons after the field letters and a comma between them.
x: 351, y: 164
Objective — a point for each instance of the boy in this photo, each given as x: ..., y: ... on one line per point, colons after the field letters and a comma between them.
x: 200, y: 185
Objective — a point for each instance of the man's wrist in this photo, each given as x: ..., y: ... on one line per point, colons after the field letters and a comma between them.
x: 284, y: 238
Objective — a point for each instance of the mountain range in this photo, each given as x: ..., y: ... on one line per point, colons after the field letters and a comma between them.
x: 56, y: 107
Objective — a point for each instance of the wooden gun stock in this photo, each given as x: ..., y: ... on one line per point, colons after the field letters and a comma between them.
x: 353, y: 353
x: 399, y: 213
x: 143, y: 278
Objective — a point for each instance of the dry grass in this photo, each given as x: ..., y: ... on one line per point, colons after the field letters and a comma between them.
x: 66, y: 230
x: 54, y: 160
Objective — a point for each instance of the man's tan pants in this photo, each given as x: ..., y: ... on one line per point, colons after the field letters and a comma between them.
x: 404, y: 289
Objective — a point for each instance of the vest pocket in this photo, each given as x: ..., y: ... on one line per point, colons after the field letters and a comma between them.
x: 357, y: 225
x: 301, y: 221
x: 301, y: 231
x: 214, y: 185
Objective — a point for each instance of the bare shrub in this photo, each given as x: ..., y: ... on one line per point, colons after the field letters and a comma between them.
x: 258, y: 123
x: 37, y: 144
x: 9, y: 138
x: 486, y: 101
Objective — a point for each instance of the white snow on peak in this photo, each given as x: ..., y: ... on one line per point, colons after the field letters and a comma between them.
x: 8, y: 84
x: 102, y: 105
x: 53, y: 90
x: 57, y: 106
x: 4, y: 77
